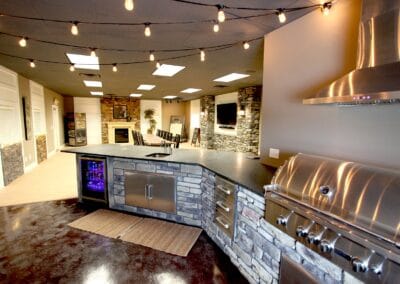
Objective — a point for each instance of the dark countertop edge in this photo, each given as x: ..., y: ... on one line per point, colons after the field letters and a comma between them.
x: 254, y: 190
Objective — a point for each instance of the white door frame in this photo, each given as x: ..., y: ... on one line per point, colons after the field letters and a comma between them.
x: 56, y: 127
x: 33, y: 85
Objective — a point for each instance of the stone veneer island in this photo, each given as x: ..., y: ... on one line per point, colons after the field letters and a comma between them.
x: 256, y: 246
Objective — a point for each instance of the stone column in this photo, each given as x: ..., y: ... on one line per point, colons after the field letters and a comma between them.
x: 207, y: 105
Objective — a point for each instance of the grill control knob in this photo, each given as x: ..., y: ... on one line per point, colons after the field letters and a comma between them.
x: 377, y: 269
x: 359, y: 265
x: 313, y: 238
x: 301, y: 232
x: 282, y: 219
x: 326, y: 246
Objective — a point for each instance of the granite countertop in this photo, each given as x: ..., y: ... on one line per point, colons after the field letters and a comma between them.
x: 249, y: 173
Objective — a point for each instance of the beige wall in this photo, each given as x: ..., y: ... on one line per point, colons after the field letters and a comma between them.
x: 51, y: 98
x: 169, y: 109
x: 299, y: 59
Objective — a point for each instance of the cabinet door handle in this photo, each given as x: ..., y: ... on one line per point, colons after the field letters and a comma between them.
x: 225, y: 225
x: 145, y: 192
x: 150, y: 191
x: 223, y: 206
x: 224, y: 190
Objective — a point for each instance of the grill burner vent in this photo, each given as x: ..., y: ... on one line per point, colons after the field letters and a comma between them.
x: 345, y: 211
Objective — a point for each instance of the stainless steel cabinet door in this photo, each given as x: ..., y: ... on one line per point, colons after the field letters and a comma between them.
x: 161, y: 190
x: 135, y: 189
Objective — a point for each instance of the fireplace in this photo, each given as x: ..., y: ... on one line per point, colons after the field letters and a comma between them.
x: 121, y: 135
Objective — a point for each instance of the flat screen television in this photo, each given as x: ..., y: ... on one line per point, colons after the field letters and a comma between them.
x: 226, y: 114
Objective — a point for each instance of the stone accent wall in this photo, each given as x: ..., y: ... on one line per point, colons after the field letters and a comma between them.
x: 207, y: 104
x: 107, y: 106
x: 41, y: 148
x: 248, y: 126
x: 188, y: 191
x: 12, y: 162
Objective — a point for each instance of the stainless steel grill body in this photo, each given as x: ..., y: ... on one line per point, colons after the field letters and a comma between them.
x: 347, y: 212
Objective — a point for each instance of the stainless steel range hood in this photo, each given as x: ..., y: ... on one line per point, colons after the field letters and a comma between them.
x: 376, y: 79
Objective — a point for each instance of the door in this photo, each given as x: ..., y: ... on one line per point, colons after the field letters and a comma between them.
x: 136, y: 189
x: 56, y: 127
x: 161, y: 193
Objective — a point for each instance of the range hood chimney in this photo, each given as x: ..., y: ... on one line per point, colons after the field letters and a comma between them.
x: 376, y: 79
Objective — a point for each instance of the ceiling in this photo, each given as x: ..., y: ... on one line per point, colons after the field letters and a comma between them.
x: 197, y: 74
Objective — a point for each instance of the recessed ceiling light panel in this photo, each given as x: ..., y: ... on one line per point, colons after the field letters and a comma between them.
x: 190, y: 90
x: 146, y: 87
x: 231, y: 77
x: 84, y: 61
x: 168, y: 70
x: 135, y: 95
x: 169, y: 97
x: 96, y: 84
x: 96, y: 93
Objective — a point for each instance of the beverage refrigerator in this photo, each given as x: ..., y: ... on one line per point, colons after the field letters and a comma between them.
x: 93, y: 179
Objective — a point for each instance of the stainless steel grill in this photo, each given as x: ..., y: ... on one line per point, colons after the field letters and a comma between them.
x: 345, y: 211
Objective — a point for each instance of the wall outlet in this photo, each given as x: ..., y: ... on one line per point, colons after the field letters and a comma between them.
x: 274, y: 153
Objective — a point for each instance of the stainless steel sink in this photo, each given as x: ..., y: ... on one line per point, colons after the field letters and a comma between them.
x: 157, y: 155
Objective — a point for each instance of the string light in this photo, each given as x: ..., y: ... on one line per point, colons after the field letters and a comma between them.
x: 281, y: 16
x: 246, y: 45
x: 22, y: 42
x: 326, y: 8
x: 74, y: 28
x: 32, y: 63
x: 158, y: 65
x: 221, y: 13
x: 151, y: 56
x: 93, y: 52
x: 147, y: 31
x: 129, y: 5
x: 216, y: 27
x: 72, y: 68
x: 202, y: 55
x: 114, y: 69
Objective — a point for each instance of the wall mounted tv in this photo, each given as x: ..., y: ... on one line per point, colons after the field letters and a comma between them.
x: 226, y: 114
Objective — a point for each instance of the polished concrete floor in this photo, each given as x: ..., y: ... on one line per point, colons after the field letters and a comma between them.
x: 37, y: 246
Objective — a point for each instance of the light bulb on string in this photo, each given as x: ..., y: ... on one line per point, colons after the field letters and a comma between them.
x: 22, y: 42
x: 216, y: 27
x: 72, y: 68
x: 32, y: 63
x: 74, y: 28
x: 221, y: 14
x: 202, y: 55
x: 151, y: 56
x: 281, y: 16
x: 129, y: 5
x: 326, y: 8
x: 246, y: 45
x: 93, y: 52
x: 114, y: 68
x: 158, y: 65
x: 147, y: 31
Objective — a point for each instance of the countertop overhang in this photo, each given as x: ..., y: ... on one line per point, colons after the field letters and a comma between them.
x: 236, y: 167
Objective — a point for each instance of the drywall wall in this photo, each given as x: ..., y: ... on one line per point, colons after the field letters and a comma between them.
x: 52, y: 98
x: 299, y: 59
x: 194, y: 117
x: 91, y: 107
x: 173, y: 108
x: 150, y: 104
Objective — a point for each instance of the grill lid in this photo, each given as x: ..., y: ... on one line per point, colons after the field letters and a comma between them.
x: 362, y: 196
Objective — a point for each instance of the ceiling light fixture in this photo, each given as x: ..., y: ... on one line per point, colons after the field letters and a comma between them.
x: 74, y: 28
x: 96, y: 93
x: 168, y: 70
x: 72, y: 67
x: 135, y: 95
x: 93, y: 52
x: 190, y: 90
x: 151, y: 56
x: 84, y: 61
x: 216, y: 27
x: 231, y: 77
x: 326, y: 8
x: 22, y: 42
x: 95, y: 84
x: 221, y: 13
x: 32, y: 63
x: 169, y: 97
x: 114, y: 68
x: 146, y: 87
x: 129, y: 5
x: 281, y: 16
x: 147, y: 31
x: 246, y: 45
x: 202, y: 55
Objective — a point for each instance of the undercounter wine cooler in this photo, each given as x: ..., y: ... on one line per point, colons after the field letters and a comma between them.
x: 93, y: 179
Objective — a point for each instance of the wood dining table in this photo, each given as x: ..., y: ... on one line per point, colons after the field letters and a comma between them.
x: 154, y: 140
